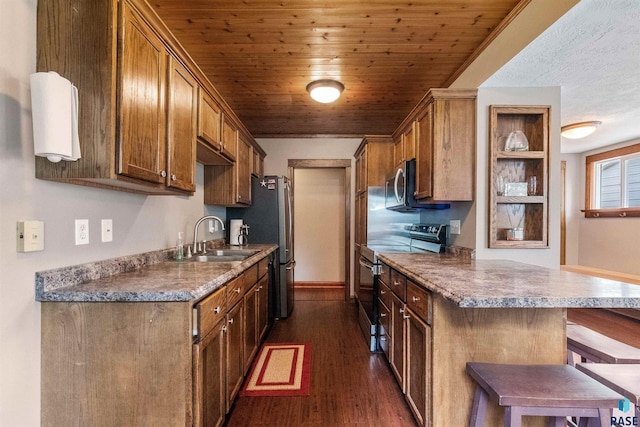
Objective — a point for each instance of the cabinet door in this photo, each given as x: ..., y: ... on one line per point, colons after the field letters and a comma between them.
x: 385, y: 322
x: 250, y: 325
x: 424, y: 154
x: 229, y: 138
x: 209, y: 117
x: 361, y: 219
x: 209, y: 400
x: 182, y: 111
x: 234, y: 344
x: 418, y: 365
x: 409, y: 142
x: 398, y: 322
x: 263, y: 307
x: 243, y: 172
x: 141, y: 113
x: 398, y: 151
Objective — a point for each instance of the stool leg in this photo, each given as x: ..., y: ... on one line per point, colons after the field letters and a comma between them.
x: 513, y: 417
x: 479, y: 408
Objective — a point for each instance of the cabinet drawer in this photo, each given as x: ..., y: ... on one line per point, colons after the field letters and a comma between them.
x: 398, y: 284
x: 385, y: 294
x: 250, y: 277
x: 210, y: 311
x: 385, y: 272
x: 263, y: 267
x: 419, y: 301
x: 235, y: 290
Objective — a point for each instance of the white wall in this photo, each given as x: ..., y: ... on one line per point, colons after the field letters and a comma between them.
x: 280, y: 150
x: 518, y: 96
x: 140, y: 223
x: 607, y: 243
x: 319, y: 224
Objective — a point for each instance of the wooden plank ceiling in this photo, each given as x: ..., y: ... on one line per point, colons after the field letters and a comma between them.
x: 261, y: 54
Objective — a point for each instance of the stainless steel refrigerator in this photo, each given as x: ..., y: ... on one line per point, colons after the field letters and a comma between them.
x: 270, y: 220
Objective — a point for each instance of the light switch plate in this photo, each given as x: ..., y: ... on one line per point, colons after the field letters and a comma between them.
x: 454, y: 226
x: 107, y: 230
x: 29, y: 236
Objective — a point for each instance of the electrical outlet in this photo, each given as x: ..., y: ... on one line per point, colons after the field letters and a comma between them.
x: 454, y: 226
x: 82, y: 231
x: 107, y: 230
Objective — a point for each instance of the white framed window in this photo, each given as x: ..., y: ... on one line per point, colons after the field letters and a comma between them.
x: 613, y: 183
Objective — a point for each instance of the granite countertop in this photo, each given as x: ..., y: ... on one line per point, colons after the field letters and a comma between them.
x: 152, y: 276
x: 497, y: 283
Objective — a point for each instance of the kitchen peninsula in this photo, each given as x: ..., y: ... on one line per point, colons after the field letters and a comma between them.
x: 483, y: 311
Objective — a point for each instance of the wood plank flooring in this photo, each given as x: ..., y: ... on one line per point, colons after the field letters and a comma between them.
x: 349, y: 385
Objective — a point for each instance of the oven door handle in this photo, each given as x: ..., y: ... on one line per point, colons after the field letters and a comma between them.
x: 375, y: 269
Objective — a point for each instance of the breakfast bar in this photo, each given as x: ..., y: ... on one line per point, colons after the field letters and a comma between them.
x: 490, y: 311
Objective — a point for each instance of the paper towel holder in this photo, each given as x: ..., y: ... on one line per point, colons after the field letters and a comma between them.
x: 54, y: 108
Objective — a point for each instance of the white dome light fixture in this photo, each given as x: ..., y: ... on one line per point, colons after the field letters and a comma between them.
x: 325, y: 91
x: 579, y: 130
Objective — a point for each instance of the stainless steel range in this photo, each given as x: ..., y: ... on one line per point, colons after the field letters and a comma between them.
x: 411, y: 238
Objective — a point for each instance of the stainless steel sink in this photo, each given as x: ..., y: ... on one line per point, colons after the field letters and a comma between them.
x: 225, y: 255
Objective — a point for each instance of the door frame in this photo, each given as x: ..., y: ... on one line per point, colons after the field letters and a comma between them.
x: 334, y: 164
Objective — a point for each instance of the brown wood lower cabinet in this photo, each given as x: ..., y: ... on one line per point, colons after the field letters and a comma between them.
x: 432, y: 339
x: 209, y: 362
x: 406, y: 325
x: 151, y: 363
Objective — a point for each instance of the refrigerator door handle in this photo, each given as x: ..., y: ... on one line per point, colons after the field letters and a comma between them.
x: 292, y: 266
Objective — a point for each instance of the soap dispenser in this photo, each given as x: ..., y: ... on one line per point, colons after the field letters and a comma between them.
x: 179, y: 255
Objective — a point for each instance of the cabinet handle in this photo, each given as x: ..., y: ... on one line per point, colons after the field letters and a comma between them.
x: 396, y: 283
x: 260, y: 287
x: 224, y: 329
x: 163, y: 173
x: 216, y: 310
x: 406, y: 317
x: 383, y: 314
x: 623, y: 214
x: 231, y: 321
x: 237, y: 291
x: 415, y: 299
x: 401, y: 310
x: 382, y: 292
x: 257, y: 290
x: 173, y: 177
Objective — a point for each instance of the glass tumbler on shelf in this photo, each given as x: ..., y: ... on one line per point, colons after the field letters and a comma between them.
x: 532, y: 186
x: 500, y: 185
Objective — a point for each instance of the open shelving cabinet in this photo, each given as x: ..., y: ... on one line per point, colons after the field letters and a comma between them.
x: 529, y: 212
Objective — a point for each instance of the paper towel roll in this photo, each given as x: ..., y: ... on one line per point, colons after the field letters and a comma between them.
x: 54, y: 106
x: 234, y: 231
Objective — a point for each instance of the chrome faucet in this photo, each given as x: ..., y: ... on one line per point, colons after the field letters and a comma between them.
x: 195, y: 230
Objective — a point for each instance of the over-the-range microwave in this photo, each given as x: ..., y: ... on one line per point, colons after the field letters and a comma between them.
x: 400, y: 188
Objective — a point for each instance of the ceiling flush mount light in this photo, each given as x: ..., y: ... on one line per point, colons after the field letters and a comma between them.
x: 325, y: 91
x: 579, y: 130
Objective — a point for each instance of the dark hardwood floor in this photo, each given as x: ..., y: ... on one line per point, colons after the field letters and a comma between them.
x: 349, y: 385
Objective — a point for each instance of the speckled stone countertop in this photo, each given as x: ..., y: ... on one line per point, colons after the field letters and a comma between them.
x: 152, y: 276
x: 495, y: 283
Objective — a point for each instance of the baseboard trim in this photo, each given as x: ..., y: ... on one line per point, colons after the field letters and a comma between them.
x: 319, y: 285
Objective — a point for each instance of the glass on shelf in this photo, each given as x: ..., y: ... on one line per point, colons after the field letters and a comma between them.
x: 516, y: 141
x: 500, y: 185
x: 532, y: 186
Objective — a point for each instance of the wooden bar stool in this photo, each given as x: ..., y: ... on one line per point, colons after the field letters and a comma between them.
x: 556, y: 391
x: 596, y: 347
x: 625, y: 379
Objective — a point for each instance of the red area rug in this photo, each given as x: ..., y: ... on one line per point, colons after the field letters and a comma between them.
x: 280, y: 369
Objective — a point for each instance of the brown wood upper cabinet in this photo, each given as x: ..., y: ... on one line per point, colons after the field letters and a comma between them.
x: 443, y: 128
x: 146, y: 111
x: 230, y: 185
x: 405, y: 145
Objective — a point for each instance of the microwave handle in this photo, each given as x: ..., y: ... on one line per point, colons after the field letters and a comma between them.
x: 395, y: 184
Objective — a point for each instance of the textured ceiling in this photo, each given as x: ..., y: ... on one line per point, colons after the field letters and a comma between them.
x: 593, y: 53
